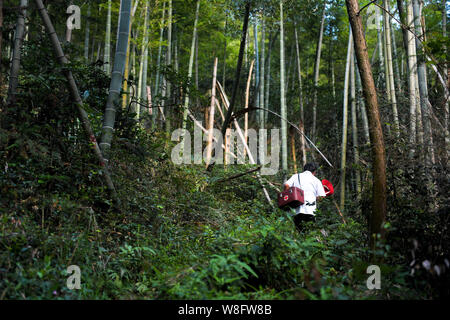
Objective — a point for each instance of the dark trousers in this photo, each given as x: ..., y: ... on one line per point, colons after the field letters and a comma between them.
x: 300, y: 219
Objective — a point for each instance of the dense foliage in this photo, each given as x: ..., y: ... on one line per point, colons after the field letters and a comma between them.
x: 182, y: 232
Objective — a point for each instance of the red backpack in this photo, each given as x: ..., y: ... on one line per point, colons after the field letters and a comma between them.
x: 291, y: 198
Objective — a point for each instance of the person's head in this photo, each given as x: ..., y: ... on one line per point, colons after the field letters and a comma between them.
x: 312, y: 167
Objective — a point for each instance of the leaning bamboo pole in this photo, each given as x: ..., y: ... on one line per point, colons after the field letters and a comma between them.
x: 211, y: 114
x: 62, y: 59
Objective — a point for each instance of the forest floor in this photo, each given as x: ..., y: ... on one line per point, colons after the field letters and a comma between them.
x: 180, y: 234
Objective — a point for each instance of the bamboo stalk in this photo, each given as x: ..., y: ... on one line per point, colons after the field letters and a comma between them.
x: 76, y: 96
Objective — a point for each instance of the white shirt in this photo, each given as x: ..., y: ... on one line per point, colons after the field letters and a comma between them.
x: 312, y: 188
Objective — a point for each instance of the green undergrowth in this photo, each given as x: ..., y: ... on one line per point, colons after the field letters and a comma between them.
x: 181, y: 233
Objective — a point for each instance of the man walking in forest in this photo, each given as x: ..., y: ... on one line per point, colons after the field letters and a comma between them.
x: 312, y: 188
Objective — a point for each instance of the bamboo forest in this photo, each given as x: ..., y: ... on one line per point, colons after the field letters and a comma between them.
x: 224, y: 150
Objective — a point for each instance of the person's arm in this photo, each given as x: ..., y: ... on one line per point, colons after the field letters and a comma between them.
x: 288, y: 184
x: 320, y: 191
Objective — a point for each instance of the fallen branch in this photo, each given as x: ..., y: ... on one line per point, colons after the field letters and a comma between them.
x: 239, y: 175
x: 337, y: 207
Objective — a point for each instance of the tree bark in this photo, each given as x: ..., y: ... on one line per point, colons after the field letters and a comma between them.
x: 116, y: 77
x: 168, y: 90
x: 262, y: 122
x: 87, y: 33
x: 379, y: 205
x: 316, y: 73
x: 227, y: 121
x: 158, y: 63
x: 355, y: 129
x: 345, y: 121
x: 283, y: 112
x: 423, y: 89
x: 107, y: 53
x: 412, y: 76
x: 15, y: 64
x: 389, y: 68
x: 142, y: 90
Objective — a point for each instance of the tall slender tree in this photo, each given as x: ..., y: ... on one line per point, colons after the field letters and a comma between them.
x: 168, y: 90
x: 317, y: 70
x: 87, y: 33
x: 300, y: 86
x: 142, y: 90
x: 355, y: 128
x: 412, y: 76
x: 123, y: 34
x: 379, y: 204
x: 191, y: 63
x: 345, y: 121
x: 262, y: 119
x: 425, y: 104
x: 158, y: 61
x: 107, y: 51
x: 389, y: 67
x: 283, y: 112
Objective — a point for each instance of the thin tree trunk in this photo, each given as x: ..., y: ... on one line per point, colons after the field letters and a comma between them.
x: 423, y: 88
x: 168, y: 90
x: 116, y: 77
x: 196, y: 70
x: 403, y: 20
x: 389, y: 68
x: 142, y: 91
x: 76, y: 96
x: 227, y: 120
x: 15, y: 64
x: 107, y: 53
x: 225, y: 53
x: 267, y: 90
x: 284, y: 151
x: 355, y: 129
x: 446, y: 74
x: 262, y: 123
x: 247, y: 96
x: 127, y: 62
x: 379, y: 203
x: 397, y: 74
x: 191, y: 63
x: 345, y: 121
x: 211, y: 114
x: 257, y: 69
x: 300, y: 85
x: 412, y: 75
x: 381, y: 57
x: 294, y: 158
x: 158, y: 63
x: 86, y: 35
x: 316, y: 73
